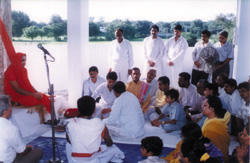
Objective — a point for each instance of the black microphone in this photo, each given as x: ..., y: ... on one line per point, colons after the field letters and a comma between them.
x: 40, y: 46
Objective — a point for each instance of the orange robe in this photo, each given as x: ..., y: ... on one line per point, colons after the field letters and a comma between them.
x: 16, y: 72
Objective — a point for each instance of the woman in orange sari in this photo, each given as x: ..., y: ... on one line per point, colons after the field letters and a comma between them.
x: 16, y: 81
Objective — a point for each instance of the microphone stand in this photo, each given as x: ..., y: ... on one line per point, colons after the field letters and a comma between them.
x: 53, y: 115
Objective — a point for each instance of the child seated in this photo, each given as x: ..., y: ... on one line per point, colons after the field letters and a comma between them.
x: 151, y: 147
x: 173, y: 116
x: 84, y: 136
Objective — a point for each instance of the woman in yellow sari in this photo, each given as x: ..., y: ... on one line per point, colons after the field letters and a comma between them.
x: 214, y: 127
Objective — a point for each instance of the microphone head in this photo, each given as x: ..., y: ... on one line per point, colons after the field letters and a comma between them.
x: 40, y: 46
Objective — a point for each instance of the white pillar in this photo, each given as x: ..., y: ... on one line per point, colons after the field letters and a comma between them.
x: 78, y: 38
x: 242, y: 42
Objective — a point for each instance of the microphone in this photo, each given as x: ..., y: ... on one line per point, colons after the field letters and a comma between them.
x: 40, y: 46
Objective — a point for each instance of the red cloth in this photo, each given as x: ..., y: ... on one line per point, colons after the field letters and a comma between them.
x: 16, y: 72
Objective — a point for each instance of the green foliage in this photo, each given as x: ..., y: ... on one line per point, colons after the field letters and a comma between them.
x: 31, y: 32
x: 20, y: 20
x: 142, y: 28
x: 191, y: 39
x: 93, y: 29
x: 58, y: 27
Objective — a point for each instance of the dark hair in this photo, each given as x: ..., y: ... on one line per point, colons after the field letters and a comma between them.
x: 152, y: 144
x: 247, y: 128
x: 165, y: 80
x: 224, y: 33
x: 244, y: 85
x: 178, y: 27
x: 119, y: 87
x: 174, y: 94
x: 194, y: 149
x: 86, y: 105
x: 224, y: 76
x: 214, y: 87
x: 231, y: 82
x: 136, y: 69
x: 206, y: 32
x: 119, y: 29
x: 185, y: 75
x: 112, y: 75
x: 155, y: 27
x: 93, y: 68
x: 215, y: 103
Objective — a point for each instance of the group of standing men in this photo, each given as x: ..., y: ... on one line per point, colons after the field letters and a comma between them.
x: 168, y: 59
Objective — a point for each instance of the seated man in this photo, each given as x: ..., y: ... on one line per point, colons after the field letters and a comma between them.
x: 126, y: 118
x: 85, y: 134
x: 92, y: 82
x: 151, y: 147
x: 187, y: 90
x: 153, y: 84
x: 173, y: 116
x: 220, y: 80
x: 19, y: 88
x: 140, y: 89
x: 106, y: 93
x: 12, y: 147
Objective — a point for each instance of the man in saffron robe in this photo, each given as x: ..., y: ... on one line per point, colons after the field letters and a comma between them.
x: 16, y: 81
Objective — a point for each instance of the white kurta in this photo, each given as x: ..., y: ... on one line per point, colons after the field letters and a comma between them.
x: 175, y: 52
x: 107, y: 98
x: 120, y: 58
x: 89, y: 87
x: 86, y: 137
x: 153, y: 51
x: 196, y: 52
x: 11, y: 142
x: 235, y: 102
x: 225, y: 51
x: 189, y: 96
x: 126, y: 118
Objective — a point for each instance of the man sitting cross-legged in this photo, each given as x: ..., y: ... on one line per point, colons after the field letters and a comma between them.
x: 12, y: 148
x: 173, y: 116
x: 106, y: 93
x: 85, y: 134
x: 126, y: 118
x: 140, y: 89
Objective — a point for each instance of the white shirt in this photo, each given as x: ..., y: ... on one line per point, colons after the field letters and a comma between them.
x: 196, y: 52
x: 127, y: 113
x: 120, y: 53
x: 244, y: 112
x: 11, y: 142
x: 225, y: 51
x: 225, y: 97
x: 153, y: 159
x: 107, y: 97
x: 175, y: 50
x: 153, y: 49
x: 85, y: 134
x: 235, y: 102
x: 189, y: 96
x: 89, y: 87
x: 154, y: 87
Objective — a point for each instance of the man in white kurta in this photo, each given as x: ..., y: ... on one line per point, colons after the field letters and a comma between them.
x: 120, y: 56
x: 153, y: 47
x: 198, y: 70
x: 174, y: 51
x: 106, y: 93
x: 92, y: 82
x: 126, y: 118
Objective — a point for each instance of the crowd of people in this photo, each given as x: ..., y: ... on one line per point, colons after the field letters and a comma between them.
x: 206, y: 107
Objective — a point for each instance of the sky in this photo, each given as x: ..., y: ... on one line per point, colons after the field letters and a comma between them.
x: 152, y: 10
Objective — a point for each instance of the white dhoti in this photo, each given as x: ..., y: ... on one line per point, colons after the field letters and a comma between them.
x: 121, y: 68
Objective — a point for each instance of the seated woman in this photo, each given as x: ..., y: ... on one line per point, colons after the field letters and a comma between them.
x: 214, y: 127
x: 19, y: 88
x: 193, y: 130
x: 241, y: 153
x: 85, y: 134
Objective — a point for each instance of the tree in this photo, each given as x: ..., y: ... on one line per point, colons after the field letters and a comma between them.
x: 93, y: 29
x: 31, y: 32
x: 164, y: 27
x: 191, y: 39
x: 142, y: 28
x: 58, y: 26
x: 20, y: 20
x: 196, y: 28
